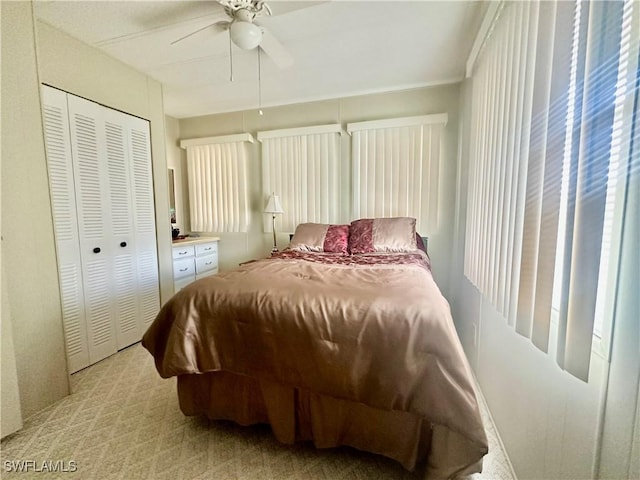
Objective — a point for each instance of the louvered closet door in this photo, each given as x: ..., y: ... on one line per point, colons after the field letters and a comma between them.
x: 88, y: 145
x: 63, y: 200
x: 102, y: 194
x: 139, y: 141
x: 120, y: 235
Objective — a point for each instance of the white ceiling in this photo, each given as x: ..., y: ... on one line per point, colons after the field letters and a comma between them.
x: 339, y: 48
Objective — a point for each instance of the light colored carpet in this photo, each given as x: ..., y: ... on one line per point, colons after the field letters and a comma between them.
x: 122, y: 421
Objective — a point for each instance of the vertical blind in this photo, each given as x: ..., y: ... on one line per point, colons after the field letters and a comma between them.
x: 624, y: 159
x: 502, y: 99
x: 302, y: 166
x: 551, y: 122
x: 217, y: 174
x: 396, y: 168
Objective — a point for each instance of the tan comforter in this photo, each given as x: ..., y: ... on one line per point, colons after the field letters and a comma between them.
x: 375, y: 330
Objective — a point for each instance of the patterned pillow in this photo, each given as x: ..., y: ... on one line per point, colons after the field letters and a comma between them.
x: 320, y: 237
x: 369, y: 235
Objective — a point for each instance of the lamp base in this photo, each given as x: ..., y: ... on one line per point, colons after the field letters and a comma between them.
x: 273, y: 228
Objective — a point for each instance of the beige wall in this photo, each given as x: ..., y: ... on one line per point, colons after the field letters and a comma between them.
x: 10, y: 411
x: 28, y: 253
x: 45, y: 55
x: 237, y: 247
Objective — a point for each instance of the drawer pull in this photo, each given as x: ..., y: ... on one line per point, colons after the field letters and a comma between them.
x: 123, y: 244
x: 182, y: 253
x: 184, y: 269
x: 207, y: 249
x: 208, y: 263
x: 96, y: 250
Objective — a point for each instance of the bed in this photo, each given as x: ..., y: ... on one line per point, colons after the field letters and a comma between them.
x: 342, y: 339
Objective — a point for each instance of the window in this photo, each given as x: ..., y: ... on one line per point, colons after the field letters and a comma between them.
x: 396, y: 168
x: 302, y: 166
x: 551, y: 139
x: 217, y: 173
x: 624, y: 96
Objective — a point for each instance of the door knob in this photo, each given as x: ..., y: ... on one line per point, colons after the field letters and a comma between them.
x: 123, y: 244
x: 96, y: 250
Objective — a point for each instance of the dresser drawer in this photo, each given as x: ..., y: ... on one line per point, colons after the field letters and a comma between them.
x: 206, y: 248
x: 206, y: 263
x: 183, y: 251
x: 183, y: 268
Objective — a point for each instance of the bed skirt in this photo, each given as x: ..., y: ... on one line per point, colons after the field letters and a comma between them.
x: 297, y: 415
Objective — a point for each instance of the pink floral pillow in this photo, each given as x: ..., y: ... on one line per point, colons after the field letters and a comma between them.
x: 369, y: 235
x: 320, y: 237
x: 337, y: 239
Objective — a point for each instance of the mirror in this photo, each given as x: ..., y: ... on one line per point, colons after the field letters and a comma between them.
x: 172, y: 196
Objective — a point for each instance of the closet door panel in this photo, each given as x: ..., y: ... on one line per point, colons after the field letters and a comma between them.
x: 126, y: 305
x: 73, y: 316
x: 144, y: 220
x: 102, y: 342
x: 148, y: 287
x: 88, y: 146
x: 63, y: 201
x: 121, y: 231
x: 118, y: 177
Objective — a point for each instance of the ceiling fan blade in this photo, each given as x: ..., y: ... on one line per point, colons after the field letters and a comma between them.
x: 161, y: 14
x: 220, y: 26
x: 275, y: 50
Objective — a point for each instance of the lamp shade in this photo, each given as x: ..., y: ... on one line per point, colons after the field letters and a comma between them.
x: 273, y: 205
x: 245, y: 35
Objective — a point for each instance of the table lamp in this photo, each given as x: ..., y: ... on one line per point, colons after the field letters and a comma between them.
x: 274, y: 208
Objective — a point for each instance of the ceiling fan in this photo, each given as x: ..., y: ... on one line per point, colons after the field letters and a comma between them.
x: 245, y: 32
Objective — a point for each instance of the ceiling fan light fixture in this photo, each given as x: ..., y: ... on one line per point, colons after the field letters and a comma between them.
x: 245, y: 35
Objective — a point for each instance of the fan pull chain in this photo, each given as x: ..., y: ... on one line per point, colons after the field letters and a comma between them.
x: 230, y: 61
x: 259, y: 84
